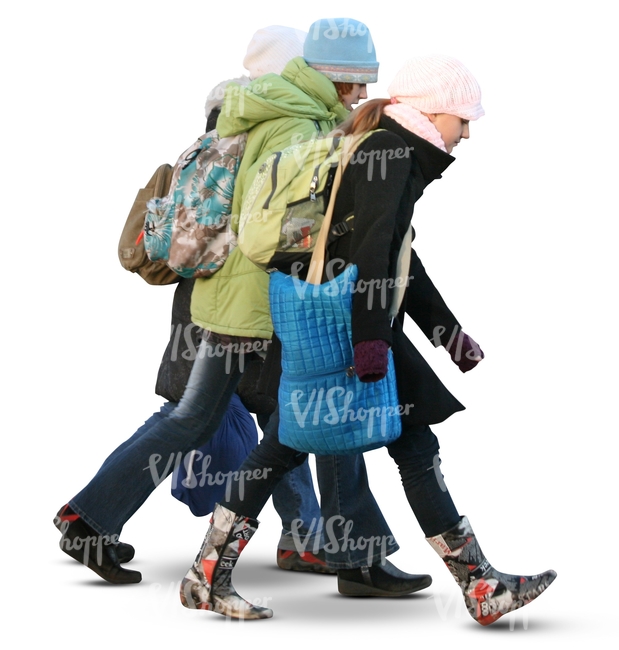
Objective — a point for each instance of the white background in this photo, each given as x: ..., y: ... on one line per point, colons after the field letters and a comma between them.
x: 520, y: 237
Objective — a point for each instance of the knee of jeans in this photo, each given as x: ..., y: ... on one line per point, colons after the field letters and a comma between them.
x: 297, y: 460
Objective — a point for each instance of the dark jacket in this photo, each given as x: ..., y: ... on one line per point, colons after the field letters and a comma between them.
x: 181, y: 351
x: 182, y: 347
x: 380, y: 186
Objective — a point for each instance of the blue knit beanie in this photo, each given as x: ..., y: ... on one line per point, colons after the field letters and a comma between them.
x: 342, y: 49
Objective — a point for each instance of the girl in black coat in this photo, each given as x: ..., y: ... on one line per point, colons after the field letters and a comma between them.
x: 432, y: 101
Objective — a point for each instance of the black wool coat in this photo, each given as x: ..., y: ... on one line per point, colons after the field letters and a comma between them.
x: 380, y: 187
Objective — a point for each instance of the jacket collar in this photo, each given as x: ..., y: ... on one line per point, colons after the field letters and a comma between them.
x: 431, y: 160
x: 316, y: 85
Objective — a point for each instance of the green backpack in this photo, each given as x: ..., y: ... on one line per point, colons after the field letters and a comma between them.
x: 285, y: 205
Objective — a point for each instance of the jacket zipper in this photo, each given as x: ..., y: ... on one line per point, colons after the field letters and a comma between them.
x: 314, y: 184
x: 278, y: 155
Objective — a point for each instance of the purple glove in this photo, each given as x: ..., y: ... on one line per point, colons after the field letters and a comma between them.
x: 371, y: 360
x: 464, y: 352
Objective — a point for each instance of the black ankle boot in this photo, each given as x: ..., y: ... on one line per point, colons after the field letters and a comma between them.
x: 124, y: 552
x: 384, y: 580
x: 84, y: 544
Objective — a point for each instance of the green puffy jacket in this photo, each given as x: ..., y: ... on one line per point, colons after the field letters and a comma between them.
x: 277, y: 111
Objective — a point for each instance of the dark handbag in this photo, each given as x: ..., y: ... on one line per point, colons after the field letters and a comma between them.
x: 201, y: 480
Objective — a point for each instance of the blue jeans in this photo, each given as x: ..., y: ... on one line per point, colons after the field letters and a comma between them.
x: 135, y: 468
x: 354, y: 530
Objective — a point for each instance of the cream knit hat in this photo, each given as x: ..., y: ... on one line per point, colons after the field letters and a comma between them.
x: 271, y: 48
x: 438, y: 84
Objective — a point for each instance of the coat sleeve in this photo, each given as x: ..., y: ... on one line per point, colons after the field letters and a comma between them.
x: 425, y: 305
x: 374, y: 183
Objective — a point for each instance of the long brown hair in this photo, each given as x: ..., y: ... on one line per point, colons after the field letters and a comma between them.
x: 364, y: 118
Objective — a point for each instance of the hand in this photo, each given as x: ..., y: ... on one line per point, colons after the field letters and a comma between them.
x: 464, y: 352
x: 371, y: 360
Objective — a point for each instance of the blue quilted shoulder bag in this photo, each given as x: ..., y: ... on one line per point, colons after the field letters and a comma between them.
x: 324, y: 407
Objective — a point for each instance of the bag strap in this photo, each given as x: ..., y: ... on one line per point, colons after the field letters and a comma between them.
x: 402, y: 269
x: 317, y: 261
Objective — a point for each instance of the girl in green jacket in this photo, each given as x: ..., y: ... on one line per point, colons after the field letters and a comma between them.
x: 308, y: 99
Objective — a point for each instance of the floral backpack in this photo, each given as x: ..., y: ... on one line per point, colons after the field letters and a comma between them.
x: 189, y: 228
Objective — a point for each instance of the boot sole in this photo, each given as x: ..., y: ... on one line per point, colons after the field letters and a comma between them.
x: 306, y: 567
x: 493, y: 618
x: 355, y: 589
x: 191, y: 599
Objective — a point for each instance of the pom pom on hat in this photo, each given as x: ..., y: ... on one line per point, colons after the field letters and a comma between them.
x: 438, y: 84
x: 271, y: 48
x: 342, y: 49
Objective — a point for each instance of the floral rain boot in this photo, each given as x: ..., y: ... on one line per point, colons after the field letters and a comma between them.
x: 208, y: 583
x: 488, y: 593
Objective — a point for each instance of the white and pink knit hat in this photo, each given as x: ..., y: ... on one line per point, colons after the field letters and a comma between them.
x: 438, y: 84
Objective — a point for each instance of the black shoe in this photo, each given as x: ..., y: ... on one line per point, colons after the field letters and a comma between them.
x: 84, y: 544
x: 384, y: 580
x: 124, y: 552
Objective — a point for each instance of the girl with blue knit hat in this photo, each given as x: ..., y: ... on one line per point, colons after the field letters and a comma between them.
x: 432, y: 101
